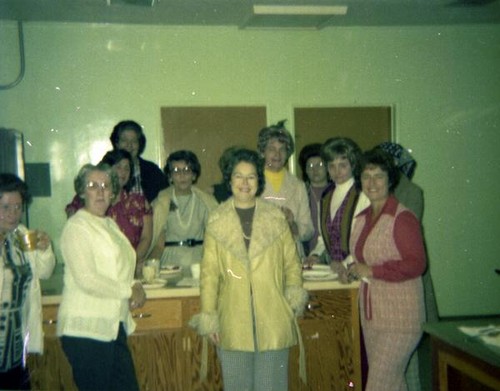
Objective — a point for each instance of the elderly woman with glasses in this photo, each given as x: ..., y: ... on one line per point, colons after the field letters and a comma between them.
x: 180, y: 214
x: 283, y: 189
x: 99, y: 291
x: 20, y: 293
x: 130, y: 210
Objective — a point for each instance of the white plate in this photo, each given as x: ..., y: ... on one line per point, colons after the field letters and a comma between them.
x: 320, y: 267
x: 156, y: 284
x: 319, y: 272
x: 318, y: 275
x: 170, y: 270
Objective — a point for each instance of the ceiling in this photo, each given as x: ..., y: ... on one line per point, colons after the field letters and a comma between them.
x: 256, y: 13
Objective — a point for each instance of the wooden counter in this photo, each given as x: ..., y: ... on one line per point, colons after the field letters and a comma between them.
x: 167, y: 352
x: 171, y: 292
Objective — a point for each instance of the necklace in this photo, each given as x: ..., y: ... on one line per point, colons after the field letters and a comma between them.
x: 250, y: 235
x: 246, y: 220
x: 178, y: 212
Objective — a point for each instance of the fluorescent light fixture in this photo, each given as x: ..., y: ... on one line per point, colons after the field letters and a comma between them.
x: 317, y: 10
x: 144, y: 3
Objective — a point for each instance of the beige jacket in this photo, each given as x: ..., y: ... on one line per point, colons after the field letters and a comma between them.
x: 261, y: 287
x: 293, y: 195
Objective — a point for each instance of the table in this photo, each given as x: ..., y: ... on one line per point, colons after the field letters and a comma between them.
x: 462, y: 362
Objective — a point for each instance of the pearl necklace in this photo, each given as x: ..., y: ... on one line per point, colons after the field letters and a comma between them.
x: 177, y: 211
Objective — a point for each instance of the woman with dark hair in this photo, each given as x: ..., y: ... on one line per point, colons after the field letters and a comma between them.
x: 99, y: 291
x: 340, y: 202
x: 149, y: 179
x: 316, y: 179
x: 131, y: 211
x: 220, y: 190
x: 389, y: 257
x: 251, y: 283
x: 275, y: 144
x: 180, y: 214
x: 407, y: 192
x: 20, y: 293
x: 412, y: 196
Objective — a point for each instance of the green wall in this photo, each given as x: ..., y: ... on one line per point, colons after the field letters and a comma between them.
x: 443, y: 82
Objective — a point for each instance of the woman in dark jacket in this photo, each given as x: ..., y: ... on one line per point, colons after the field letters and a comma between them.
x: 149, y: 179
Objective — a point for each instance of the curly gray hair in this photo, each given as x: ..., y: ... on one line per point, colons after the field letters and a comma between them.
x: 278, y: 132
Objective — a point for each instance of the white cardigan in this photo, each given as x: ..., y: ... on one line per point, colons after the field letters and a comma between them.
x: 98, y: 276
x: 42, y: 264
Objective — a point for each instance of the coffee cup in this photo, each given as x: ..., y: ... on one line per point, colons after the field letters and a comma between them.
x: 155, y: 264
x: 149, y: 273
x: 28, y: 240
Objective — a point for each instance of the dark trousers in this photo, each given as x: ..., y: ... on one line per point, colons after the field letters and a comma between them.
x: 17, y: 378
x: 101, y: 365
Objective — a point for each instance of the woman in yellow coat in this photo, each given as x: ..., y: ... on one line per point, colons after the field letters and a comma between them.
x: 251, y: 283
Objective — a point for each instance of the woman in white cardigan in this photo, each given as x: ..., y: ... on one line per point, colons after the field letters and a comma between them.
x: 20, y: 297
x: 99, y: 291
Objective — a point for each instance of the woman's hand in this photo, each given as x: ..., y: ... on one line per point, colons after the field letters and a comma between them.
x: 339, y: 268
x: 288, y: 214
x: 310, y: 261
x: 215, y: 338
x: 290, y: 218
x: 138, y: 297
x: 43, y: 240
x: 360, y: 271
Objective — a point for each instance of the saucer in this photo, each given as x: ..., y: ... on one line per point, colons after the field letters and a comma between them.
x: 156, y: 284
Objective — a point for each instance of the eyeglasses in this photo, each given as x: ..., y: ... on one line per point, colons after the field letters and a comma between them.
x: 6, y: 208
x: 98, y: 186
x: 312, y: 166
x: 181, y: 170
